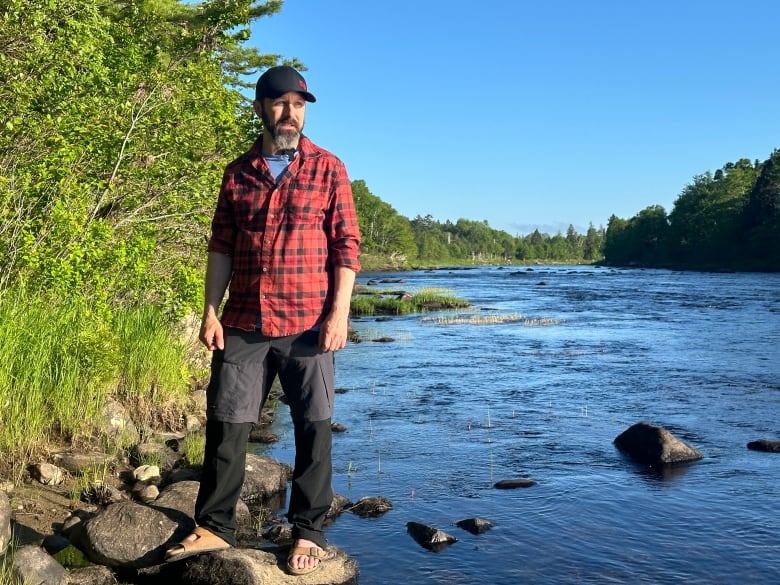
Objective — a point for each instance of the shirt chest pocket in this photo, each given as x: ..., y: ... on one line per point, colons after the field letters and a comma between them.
x: 296, y: 217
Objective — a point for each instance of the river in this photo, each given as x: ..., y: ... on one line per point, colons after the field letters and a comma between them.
x: 455, y: 404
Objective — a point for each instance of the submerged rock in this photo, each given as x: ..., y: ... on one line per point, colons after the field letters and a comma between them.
x: 510, y: 484
x: 475, y: 525
x: 764, y: 445
x: 653, y: 445
x: 370, y: 507
x: 429, y: 537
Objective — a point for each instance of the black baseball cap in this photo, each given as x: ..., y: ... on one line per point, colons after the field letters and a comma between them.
x: 279, y: 80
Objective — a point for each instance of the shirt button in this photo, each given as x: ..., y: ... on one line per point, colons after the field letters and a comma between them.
x: 267, y: 241
x: 272, y: 215
x: 264, y: 269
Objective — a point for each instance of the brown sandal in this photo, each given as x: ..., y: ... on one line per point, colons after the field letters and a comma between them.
x: 309, y: 551
x: 205, y: 541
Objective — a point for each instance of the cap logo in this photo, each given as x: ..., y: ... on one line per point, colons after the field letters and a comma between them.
x: 302, y: 83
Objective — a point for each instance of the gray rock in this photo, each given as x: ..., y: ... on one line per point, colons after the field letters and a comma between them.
x: 649, y: 444
x: 148, y: 493
x: 147, y: 474
x: 156, y: 451
x: 179, y: 496
x: 764, y: 445
x: 192, y: 423
x: 78, y: 463
x: 510, y: 484
x: 130, y: 535
x: 370, y: 507
x: 47, y: 474
x: 265, y: 477
x: 429, y: 537
x: 253, y: 567
x: 95, y: 575
x: 75, y: 518
x: 32, y: 564
x: 263, y: 435
x: 118, y: 425
x: 475, y: 525
x: 338, y: 504
x: 5, y: 522
x: 279, y: 534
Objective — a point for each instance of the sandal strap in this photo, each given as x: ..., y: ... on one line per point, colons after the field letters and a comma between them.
x: 308, y: 551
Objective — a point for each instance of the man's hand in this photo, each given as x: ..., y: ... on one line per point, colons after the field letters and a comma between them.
x: 211, y: 333
x: 333, y: 332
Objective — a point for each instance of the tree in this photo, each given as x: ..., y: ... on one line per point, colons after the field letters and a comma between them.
x: 382, y: 229
x: 119, y: 118
x: 761, y: 216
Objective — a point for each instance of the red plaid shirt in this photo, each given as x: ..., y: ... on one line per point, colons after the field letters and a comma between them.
x: 284, y: 238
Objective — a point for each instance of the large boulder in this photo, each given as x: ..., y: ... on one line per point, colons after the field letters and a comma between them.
x: 181, y: 496
x: 130, y: 535
x: 251, y: 567
x: 652, y: 445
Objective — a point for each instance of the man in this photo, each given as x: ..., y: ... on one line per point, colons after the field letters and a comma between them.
x: 285, y: 239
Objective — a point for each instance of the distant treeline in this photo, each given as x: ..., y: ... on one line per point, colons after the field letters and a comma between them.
x: 394, y: 239
x: 726, y: 220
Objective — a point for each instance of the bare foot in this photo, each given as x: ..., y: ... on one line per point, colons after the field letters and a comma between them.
x: 304, y: 562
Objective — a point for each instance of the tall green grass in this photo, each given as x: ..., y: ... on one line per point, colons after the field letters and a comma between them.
x: 60, y: 360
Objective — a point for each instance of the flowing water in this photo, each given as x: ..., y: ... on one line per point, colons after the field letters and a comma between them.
x: 436, y: 417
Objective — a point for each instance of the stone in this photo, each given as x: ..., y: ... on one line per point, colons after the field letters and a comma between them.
x: 475, y: 525
x: 238, y: 566
x: 179, y: 496
x: 47, y: 474
x: 94, y: 575
x: 118, y: 426
x: 147, y: 474
x: 764, y: 445
x: 370, y: 507
x: 192, y: 423
x: 130, y: 535
x: 32, y: 564
x: 79, y: 463
x: 510, y: 484
x: 429, y: 537
x: 265, y: 477
x: 5, y: 522
x: 652, y: 445
x: 263, y: 435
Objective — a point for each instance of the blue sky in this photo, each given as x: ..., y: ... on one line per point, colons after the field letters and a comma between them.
x: 534, y: 114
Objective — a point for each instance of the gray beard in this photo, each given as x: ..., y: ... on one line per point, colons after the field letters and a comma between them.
x: 286, y: 139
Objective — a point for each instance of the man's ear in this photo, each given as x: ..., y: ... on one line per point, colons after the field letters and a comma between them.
x: 258, y: 107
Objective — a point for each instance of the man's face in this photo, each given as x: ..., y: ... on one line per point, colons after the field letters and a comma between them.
x: 283, y: 118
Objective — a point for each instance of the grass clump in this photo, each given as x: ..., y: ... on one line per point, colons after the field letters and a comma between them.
x: 61, y: 359
x: 394, y: 302
x: 193, y: 447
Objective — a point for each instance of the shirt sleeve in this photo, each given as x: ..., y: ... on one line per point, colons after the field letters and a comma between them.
x: 223, y: 227
x: 342, y: 224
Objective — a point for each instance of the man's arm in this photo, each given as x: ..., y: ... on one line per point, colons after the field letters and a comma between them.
x: 333, y: 330
x: 219, y: 270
